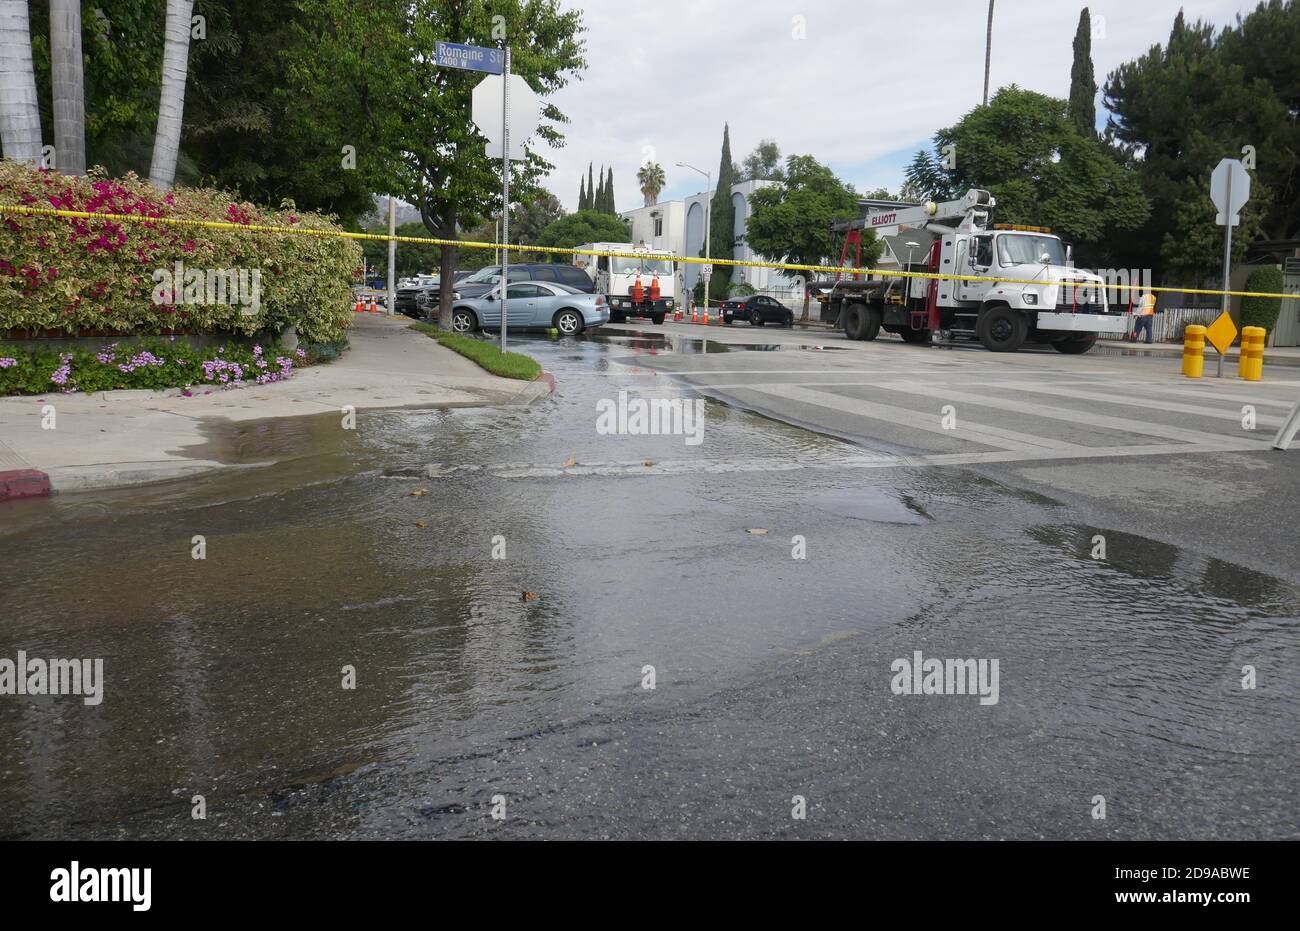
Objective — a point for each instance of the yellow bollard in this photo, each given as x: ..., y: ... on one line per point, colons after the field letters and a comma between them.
x: 1251, y: 363
x: 1194, y: 350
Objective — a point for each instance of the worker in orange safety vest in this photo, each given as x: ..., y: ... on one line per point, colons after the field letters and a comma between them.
x: 1143, y: 316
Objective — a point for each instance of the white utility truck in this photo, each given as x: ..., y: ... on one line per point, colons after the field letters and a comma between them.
x: 1060, y: 304
x: 641, y: 286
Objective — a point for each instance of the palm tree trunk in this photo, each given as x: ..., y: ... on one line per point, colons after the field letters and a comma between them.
x: 20, y: 118
x: 988, y: 52
x: 69, y: 97
x: 171, y: 103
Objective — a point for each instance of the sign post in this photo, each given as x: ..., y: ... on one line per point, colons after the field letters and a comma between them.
x: 506, y: 111
x: 1229, y: 189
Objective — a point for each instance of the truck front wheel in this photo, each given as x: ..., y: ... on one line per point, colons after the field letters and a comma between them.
x: 657, y: 319
x: 1001, y: 329
x: 861, y: 321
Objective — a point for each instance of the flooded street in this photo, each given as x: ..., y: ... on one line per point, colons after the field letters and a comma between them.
x: 500, y: 610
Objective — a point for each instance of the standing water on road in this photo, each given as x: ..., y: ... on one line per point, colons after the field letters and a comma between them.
x: 506, y: 584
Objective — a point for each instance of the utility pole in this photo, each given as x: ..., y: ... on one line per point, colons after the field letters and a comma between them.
x: 391, y: 309
x: 708, y: 211
x: 988, y: 52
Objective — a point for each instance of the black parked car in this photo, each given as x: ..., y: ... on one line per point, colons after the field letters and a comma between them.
x: 758, y: 309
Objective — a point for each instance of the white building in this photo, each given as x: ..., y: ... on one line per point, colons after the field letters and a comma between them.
x: 678, y: 225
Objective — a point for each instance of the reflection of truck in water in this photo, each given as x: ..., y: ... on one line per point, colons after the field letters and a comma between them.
x: 1050, y: 301
x: 640, y: 286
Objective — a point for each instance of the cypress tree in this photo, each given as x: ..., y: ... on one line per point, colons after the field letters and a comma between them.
x: 582, y: 194
x: 609, y: 194
x: 1083, y: 87
x: 722, y: 222
x: 591, y: 190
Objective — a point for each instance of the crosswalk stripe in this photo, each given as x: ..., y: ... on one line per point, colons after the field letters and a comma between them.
x: 986, y: 435
x: 1122, y: 424
x: 1147, y: 403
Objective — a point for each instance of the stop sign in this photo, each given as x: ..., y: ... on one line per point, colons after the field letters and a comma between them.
x: 487, y: 109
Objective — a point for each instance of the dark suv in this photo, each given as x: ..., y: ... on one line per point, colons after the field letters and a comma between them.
x: 758, y: 309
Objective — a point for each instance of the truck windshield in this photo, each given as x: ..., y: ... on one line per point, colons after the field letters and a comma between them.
x: 1029, y: 250
x: 646, y: 266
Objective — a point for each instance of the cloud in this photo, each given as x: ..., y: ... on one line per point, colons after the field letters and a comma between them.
x: 866, y: 87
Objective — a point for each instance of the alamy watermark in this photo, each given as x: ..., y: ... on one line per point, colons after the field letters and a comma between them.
x: 920, y: 676
x: 34, y: 676
x: 651, y: 417
x: 181, y: 285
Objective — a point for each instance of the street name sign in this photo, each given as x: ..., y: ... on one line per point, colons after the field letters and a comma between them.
x: 470, y: 57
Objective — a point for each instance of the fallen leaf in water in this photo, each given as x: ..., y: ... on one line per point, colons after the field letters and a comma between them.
x: 419, y: 493
x: 529, y: 596
x: 649, y: 463
x: 420, y: 524
x: 570, y: 462
x: 757, y: 531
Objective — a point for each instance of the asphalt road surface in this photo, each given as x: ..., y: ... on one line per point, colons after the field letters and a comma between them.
x: 507, y: 584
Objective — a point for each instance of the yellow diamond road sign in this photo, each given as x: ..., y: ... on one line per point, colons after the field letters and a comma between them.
x: 1221, y: 333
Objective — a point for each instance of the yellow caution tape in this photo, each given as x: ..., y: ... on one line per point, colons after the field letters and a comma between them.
x: 555, y: 250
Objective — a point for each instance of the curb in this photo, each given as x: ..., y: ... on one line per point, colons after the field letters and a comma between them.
x: 23, y: 483
x: 549, y: 379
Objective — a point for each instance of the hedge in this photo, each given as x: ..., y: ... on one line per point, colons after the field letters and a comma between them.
x: 1262, y: 311
x: 100, y: 277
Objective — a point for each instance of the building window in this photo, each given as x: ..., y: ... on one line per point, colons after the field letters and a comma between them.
x: 659, y: 226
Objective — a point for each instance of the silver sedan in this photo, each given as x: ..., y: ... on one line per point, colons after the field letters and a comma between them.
x: 532, y: 305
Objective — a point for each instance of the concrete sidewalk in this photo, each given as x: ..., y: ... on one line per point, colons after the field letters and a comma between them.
x: 127, y: 437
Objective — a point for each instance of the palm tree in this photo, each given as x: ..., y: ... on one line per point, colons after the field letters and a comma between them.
x: 171, y: 103
x: 20, y: 117
x: 988, y: 52
x: 66, y: 74
x: 651, y: 177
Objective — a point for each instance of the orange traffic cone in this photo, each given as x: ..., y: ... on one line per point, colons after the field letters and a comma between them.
x: 374, y: 308
x: 695, y: 314
x: 705, y: 316
x: 358, y: 307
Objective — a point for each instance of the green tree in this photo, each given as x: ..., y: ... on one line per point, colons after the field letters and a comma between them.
x: 926, y: 179
x: 722, y: 222
x: 1023, y: 148
x: 1180, y: 108
x: 609, y: 193
x: 791, y: 219
x: 412, y: 258
x: 582, y: 194
x: 762, y: 164
x: 365, y: 76
x: 1083, y: 86
x: 575, y: 229
x: 651, y: 178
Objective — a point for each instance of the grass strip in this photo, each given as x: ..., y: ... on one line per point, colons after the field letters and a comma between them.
x: 487, y: 355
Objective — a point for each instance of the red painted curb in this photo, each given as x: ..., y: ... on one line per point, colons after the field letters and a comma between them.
x: 23, y: 483
x: 549, y: 379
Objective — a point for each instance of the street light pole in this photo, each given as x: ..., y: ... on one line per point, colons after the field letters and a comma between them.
x: 708, y: 211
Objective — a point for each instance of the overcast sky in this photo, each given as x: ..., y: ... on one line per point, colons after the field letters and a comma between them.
x: 867, y: 86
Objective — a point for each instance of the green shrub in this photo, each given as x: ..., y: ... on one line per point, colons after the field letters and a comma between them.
x: 1262, y: 311
x: 71, y: 275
